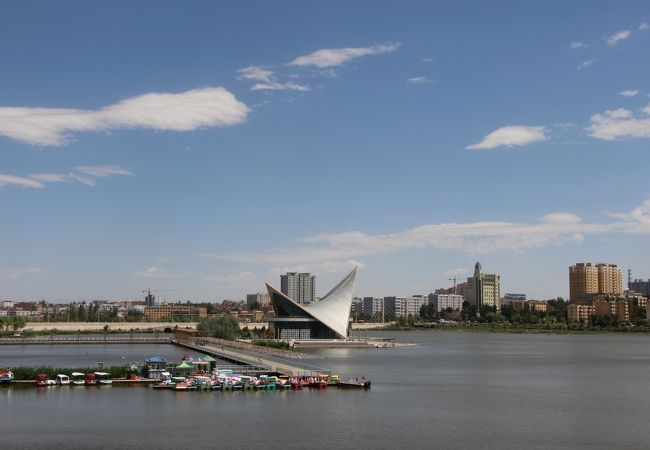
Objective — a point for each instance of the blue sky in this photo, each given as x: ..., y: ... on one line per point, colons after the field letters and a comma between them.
x: 203, y: 148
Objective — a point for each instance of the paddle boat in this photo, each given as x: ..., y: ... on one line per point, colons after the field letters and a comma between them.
x: 62, y: 380
x: 78, y: 378
x: 42, y: 380
x: 103, y: 378
x: 6, y: 376
x: 90, y: 379
x: 355, y: 383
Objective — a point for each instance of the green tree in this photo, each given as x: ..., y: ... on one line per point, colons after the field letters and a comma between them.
x: 18, y: 322
x: 219, y: 327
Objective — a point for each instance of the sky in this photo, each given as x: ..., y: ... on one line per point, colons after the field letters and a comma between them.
x: 201, y: 149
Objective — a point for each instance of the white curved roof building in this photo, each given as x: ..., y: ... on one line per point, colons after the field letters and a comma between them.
x: 327, y: 318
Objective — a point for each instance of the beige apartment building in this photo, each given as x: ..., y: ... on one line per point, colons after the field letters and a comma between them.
x: 587, y: 279
x: 580, y: 313
x: 483, y: 289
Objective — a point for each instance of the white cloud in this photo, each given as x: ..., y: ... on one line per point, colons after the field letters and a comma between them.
x: 81, y: 174
x: 185, y: 111
x: 617, y: 37
x: 587, y: 63
x: 160, y: 272
x: 629, y: 93
x: 329, y: 57
x: 102, y: 171
x: 560, y: 217
x: 275, y: 86
x: 82, y: 179
x: 511, y: 136
x: 255, y: 73
x: 6, y: 180
x: 48, y: 177
x: 619, y: 123
x: 267, y: 80
x: 643, y: 26
x: 471, y: 238
x: 419, y: 80
x: 17, y: 273
x: 577, y: 44
x: 426, y: 60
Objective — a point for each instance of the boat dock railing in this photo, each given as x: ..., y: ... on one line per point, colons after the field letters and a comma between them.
x: 268, y: 360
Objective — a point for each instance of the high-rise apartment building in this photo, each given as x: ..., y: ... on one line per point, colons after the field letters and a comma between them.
x: 640, y: 286
x: 483, y: 289
x: 586, y: 279
x: 299, y: 287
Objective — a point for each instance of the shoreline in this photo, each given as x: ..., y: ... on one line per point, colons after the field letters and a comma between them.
x: 511, y: 330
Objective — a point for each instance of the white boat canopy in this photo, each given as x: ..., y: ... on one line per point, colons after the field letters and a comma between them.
x: 78, y: 374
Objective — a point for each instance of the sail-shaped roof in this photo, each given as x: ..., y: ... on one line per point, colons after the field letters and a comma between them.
x: 333, y: 310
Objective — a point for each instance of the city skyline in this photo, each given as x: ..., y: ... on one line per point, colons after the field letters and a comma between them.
x: 411, y: 142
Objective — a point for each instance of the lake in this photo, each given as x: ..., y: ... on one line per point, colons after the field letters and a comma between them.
x: 453, y: 390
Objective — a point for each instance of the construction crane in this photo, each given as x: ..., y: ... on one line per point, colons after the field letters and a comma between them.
x: 454, y: 279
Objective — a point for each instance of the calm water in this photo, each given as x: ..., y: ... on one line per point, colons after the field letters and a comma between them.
x: 454, y: 390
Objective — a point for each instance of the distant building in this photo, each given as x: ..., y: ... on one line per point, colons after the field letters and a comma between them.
x: 168, y: 312
x: 299, y: 287
x: 442, y: 302
x: 515, y: 297
x: 483, y: 289
x: 579, y: 313
x: 619, y: 308
x: 640, y: 286
x: 372, y: 305
x: 588, y: 279
x: 405, y: 306
x: 259, y: 299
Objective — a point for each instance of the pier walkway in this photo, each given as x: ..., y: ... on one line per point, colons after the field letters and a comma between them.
x: 246, y: 354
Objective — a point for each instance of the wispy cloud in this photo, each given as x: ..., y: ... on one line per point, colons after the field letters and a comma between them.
x: 185, y: 111
x: 629, y: 93
x: 330, y: 57
x: 18, y: 272
x: 267, y: 80
x: 617, y: 37
x: 160, y: 272
x: 275, y: 86
x: 426, y: 60
x: 82, y: 174
x: 510, y: 136
x: 419, y: 80
x: 587, y: 63
x: 577, y: 44
x: 643, y: 26
x: 255, y: 73
x: 103, y: 171
x: 619, y: 123
x: 321, y: 267
x: 12, y: 180
x: 472, y: 238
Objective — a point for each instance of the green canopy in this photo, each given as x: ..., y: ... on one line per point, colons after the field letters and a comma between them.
x: 208, y: 358
x: 184, y: 365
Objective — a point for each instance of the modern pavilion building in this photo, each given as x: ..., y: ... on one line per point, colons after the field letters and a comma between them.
x: 327, y: 318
